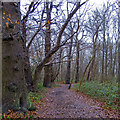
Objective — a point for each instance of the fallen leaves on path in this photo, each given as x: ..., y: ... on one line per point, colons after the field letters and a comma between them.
x: 63, y: 103
x: 60, y: 102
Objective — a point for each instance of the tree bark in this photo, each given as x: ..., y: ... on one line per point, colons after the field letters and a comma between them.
x: 106, y: 60
x: 114, y: 63
x: 77, y: 63
x: 48, y: 68
x: 111, y: 60
x: 27, y: 68
x: 68, y: 74
x: 13, y: 81
x: 85, y: 72
x: 103, y: 63
x: 119, y: 46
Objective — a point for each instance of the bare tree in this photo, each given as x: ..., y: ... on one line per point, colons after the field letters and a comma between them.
x: 68, y: 74
x: 57, y: 46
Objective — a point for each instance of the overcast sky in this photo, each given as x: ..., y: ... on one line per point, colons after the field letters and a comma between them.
x: 97, y: 3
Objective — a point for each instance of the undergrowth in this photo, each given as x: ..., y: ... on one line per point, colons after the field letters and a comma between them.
x: 107, y: 92
x: 55, y: 85
x: 36, y: 97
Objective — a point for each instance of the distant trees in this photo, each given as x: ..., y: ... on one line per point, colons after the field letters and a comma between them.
x: 65, y: 42
x: 58, y: 44
x: 98, y: 28
x: 93, y: 28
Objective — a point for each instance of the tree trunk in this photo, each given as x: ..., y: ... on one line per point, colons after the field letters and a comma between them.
x: 114, y: 63
x: 48, y: 68
x: 56, y: 48
x: 85, y: 72
x: 111, y: 61
x: 106, y: 61
x: 98, y: 58
x: 92, y: 68
x: 77, y: 63
x: 13, y: 81
x: 102, y: 77
x: 119, y: 47
x: 27, y: 68
x: 81, y: 64
x: 68, y: 74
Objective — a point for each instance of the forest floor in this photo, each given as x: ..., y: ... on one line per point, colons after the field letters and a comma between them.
x: 60, y: 102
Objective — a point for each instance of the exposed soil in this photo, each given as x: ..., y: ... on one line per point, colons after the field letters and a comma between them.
x: 60, y: 102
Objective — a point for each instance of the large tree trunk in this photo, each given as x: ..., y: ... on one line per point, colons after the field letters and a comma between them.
x: 48, y: 68
x: 13, y: 81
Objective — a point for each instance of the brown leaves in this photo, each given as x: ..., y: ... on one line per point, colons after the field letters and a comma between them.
x: 48, y: 21
x: 8, y: 19
x: 9, y: 15
x: 13, y: 114
x: 7, y: 24
x: 60, y: 102
x: 70, y: 104
x: 3, y: 12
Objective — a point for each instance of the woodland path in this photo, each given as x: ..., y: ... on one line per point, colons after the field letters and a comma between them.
x: 60, y: 102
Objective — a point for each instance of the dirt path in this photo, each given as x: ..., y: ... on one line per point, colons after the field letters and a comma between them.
x: 63, y: 103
